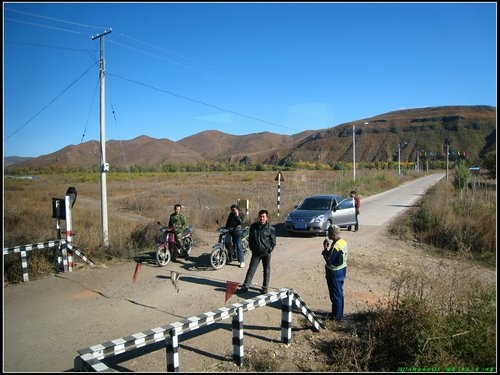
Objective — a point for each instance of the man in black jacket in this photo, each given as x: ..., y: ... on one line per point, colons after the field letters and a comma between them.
x: 235, y: 222
x: 261, y: 240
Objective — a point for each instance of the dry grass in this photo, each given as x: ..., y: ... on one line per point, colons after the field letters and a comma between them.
x: 136, y: 201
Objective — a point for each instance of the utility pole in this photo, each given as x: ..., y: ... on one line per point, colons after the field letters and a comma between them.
x: 399, y: 156
x: 354, y: 151
x: 104, y: 165
x: 447, y: 159
x: 399, y: 159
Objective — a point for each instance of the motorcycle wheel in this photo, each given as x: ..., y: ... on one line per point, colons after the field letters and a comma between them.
x: 163, y: 256
x: 218, y: 259
x: 244, y: 244
x: 187, y: 245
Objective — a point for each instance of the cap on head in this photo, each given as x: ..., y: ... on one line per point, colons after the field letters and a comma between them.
x: 333, y: 229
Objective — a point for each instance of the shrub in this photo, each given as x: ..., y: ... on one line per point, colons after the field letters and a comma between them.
x: 438, y: 321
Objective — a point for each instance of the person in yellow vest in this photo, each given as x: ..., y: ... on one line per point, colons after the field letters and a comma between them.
x: 335, y: 269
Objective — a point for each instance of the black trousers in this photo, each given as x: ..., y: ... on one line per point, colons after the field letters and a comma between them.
x: 252, y: 268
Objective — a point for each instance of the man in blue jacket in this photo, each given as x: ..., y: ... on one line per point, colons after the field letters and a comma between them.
x: 335, y: 269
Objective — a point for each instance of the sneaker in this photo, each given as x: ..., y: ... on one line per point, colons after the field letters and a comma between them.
x: 263, y: 291
x: 242, y: 264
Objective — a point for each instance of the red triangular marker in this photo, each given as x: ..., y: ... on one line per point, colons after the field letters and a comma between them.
x: 231, y: 287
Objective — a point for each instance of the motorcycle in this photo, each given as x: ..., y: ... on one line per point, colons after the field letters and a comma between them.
x: 224, y: 251
x: 165, y: 251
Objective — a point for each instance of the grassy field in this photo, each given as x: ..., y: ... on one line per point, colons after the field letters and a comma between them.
x: 459, y: 220
x: 205, y: 196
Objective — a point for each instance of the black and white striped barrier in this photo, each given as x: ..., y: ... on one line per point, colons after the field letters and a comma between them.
x: 91, y: 359
x: 67, y: 259
x: 80, y: 254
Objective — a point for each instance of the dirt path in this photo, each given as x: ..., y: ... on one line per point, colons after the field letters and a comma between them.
x: 46, y: 321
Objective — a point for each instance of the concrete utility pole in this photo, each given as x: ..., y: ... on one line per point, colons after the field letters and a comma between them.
x: 399, y: 156
x: 354, y: 151
x: 104, y: 165
x: 447, y: 159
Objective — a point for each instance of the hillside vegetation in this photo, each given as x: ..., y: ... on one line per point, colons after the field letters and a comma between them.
x: 470, y: 131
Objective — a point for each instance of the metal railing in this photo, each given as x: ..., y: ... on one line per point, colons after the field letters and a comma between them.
x: 166, y: 337
x: 60, y: 245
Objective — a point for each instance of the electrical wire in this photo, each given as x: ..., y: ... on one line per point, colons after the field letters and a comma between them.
x: 127, y: 165
x: 52, y: 101
x: 90, y: 109
x: 200, y: 102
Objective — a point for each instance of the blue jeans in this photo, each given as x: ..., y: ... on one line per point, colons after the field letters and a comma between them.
x: 236, y: 235
x: 252, y: 268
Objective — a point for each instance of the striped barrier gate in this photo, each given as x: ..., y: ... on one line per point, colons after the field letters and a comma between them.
x: 67, y: 259
x: 91, y: 359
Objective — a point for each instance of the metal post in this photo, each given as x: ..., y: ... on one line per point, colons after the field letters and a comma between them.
x: 399, y: 156
x: 58, y: 223
x: 447, y: 158
x: 354, y: 151
x: 104, y: 165
x: 279, y: 180
x: 69, y: 231
x: 59, y: 248
x: 399, y: 159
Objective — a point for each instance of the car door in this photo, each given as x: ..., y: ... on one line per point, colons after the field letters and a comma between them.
x: 344, y: 213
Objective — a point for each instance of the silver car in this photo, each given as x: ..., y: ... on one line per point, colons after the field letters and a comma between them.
x: 316, y: 213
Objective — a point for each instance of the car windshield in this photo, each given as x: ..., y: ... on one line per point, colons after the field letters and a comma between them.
x: 315, y: 204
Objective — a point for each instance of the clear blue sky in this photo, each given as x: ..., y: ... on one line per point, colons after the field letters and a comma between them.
x: 177, y: 69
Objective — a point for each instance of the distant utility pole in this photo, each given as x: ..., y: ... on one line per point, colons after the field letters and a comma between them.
x: 104, y: 165
x: 354, y: 152
x: 447, y: 159
x: 403, y: 145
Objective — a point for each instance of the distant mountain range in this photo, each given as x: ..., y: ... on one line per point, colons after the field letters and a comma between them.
x: 8, y: 160
x: 465, y: 128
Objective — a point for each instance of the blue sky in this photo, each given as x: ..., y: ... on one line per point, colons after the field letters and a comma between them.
x: 177, y: 69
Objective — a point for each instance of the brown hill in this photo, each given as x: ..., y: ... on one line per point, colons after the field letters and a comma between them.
x: 215, y: 145
x: 142, y: 151
x: 465, y: 128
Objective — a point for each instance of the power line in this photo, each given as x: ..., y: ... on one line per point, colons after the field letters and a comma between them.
x: 201, y: 102
x: 130, y: 80
x: 54, y: 19
x: 90, y: 109
x: 52, y: 101
x: 219, y: 76
x: 55, y: 47
x: 47, y: 27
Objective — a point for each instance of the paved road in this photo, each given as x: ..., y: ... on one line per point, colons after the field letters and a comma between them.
x: 380, y: 208
x: 46, y: 321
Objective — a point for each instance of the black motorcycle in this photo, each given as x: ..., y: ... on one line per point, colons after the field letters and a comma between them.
x: 224, y: 251
x: 165, y: 250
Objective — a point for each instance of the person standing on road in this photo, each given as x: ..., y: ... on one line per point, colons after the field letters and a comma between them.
x: 261, y: 240
x: 335, y: 269
x: 177, y: 222
x: 357, y: 204
x: 235, y: 222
